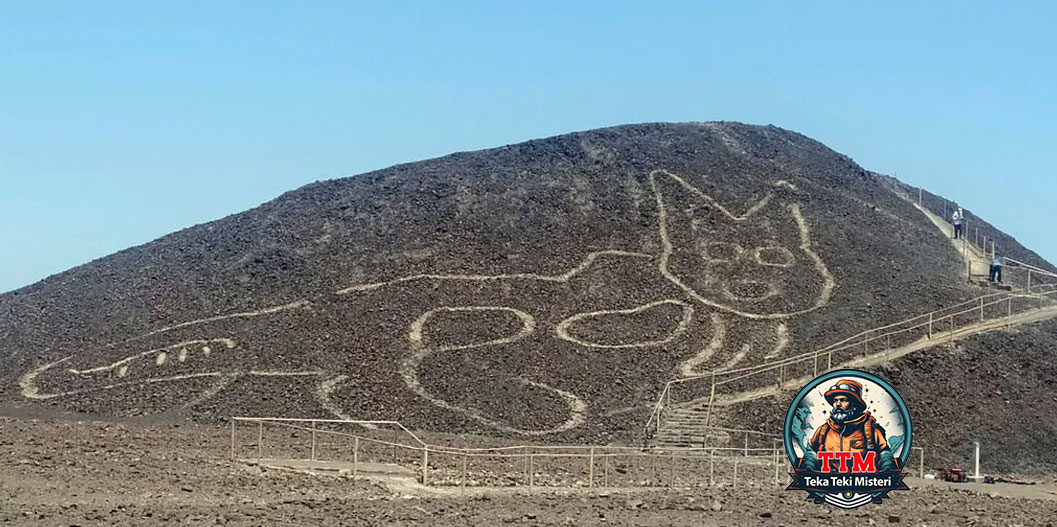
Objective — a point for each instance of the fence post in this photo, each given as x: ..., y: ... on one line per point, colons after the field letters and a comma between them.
x: 605, y: 471
x: 921, y: 464
x: 711, y: 397
x: 355, y: 456
x: 746, y: 444
x: 1009, y: 306
x: 395, y: 439
x: 711, y: 469
x: 930, y: 326
x: 313, y: 440
x: 465, y: 461
x: 776, y: 482
x: 1029, y: 280
x: 829, y: 361
x: 814, y: 364
x: 232, y: 439
x: 425, y: 466
x: 524, y: 452
x: 591, y: 468
x: 532, y: 471
x: 735, y: 472
x: 260, y: 439
x: 653, y: 471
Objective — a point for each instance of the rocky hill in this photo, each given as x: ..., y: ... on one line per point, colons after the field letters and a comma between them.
x: 543, y: 289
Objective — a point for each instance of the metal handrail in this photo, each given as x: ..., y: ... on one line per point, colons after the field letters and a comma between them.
x: 978, y: 303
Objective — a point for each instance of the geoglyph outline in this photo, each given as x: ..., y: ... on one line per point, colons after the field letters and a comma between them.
x: 330, y: 382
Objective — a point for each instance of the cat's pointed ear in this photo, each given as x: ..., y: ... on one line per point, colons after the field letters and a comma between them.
x: 671, y: 189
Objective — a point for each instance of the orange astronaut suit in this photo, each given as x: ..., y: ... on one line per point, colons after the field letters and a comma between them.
x: 861, y: 434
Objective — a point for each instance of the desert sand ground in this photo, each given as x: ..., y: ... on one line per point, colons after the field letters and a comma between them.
x: 62, y: 470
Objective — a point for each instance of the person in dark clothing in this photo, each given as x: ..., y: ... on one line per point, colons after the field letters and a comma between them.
x: 996, y: 270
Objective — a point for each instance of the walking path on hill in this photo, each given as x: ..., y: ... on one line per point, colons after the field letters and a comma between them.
x: 969, y: 253
x: 888, y: 355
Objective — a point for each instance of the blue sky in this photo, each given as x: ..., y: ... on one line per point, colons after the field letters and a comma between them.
x: 123, y: 121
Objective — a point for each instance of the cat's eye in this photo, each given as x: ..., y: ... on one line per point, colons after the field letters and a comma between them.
x: 721, y: 251
x: 774, y: 256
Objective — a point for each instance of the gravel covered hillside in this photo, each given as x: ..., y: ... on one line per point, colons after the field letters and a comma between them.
x: 547, y: 288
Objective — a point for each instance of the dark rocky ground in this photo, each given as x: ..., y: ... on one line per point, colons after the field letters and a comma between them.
x: 541, y: 208
x: 997, y: 388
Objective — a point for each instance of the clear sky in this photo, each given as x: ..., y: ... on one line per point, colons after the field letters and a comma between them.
x: 123, y: 121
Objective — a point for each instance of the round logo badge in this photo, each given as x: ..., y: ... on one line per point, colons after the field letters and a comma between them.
x: 848, y: 437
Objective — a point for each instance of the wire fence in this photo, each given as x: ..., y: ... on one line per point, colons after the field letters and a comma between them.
x: 362, y: 448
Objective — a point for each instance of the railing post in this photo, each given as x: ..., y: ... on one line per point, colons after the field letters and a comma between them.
x: 829, y: 361
x: 814, y: 364
x: 1029, y: 280
x: 981, y: 309
x: 591, y: 468
x: 465, y: 461
x: 735, y: 472
x: 711, y: 398
x: 746, y: 444
x: 313, y: 440
x: 425, y: 466
x: 930, y: 326
x: 260, y: 439
x: 532, y: 471
x: 776, y: 481
x: 524, y: 453
x: 711, y: 470
x: 1009, y: 306
x: 605, y: 471
x: 355, y: 456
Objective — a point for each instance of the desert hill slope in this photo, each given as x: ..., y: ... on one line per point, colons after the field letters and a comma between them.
x: 547, y: 288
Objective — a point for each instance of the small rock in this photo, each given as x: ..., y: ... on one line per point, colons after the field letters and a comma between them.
x: 765, y: 514
x: 716, y: 506
x: 892, y: 518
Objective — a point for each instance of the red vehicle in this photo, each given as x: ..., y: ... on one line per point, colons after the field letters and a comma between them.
x: 956, y: 475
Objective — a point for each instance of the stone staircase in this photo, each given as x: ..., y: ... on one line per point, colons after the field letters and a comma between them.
x: 684, y: 426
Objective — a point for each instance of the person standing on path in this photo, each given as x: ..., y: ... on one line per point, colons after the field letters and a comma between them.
x: 957, y: 219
